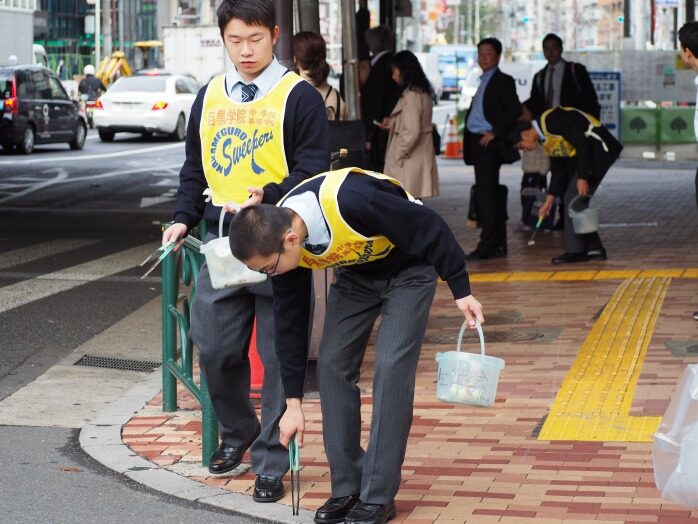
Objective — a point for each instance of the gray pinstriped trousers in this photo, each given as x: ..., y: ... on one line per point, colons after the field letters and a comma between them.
x: 221, y: 328
x: 354, y: 303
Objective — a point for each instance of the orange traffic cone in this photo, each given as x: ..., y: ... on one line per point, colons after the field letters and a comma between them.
x: 256, y: 366
x: 454, y: 146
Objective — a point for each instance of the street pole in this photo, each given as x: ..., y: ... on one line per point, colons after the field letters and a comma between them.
x: 98, y: 22
x: 351, y: 61
x: 477, y: 21
x: 120, y: 14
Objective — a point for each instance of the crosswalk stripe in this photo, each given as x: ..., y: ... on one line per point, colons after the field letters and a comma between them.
x: 27, y: 254
x: 44, y: 286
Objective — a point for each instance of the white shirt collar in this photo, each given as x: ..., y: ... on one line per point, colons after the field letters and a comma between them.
x: 376, y: 57
x: 266, y: 80
x: 306, y: 205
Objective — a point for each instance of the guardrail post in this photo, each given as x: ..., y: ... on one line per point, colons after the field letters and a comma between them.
x: 170, y: 285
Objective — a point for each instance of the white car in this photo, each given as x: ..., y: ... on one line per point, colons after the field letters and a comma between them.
x: 468, y: 89
x: 147, y: 102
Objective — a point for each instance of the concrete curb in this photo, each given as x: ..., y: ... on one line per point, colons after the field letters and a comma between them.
x: 101, y: 439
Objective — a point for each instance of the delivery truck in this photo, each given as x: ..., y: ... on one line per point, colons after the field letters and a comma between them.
x: 195, y: 49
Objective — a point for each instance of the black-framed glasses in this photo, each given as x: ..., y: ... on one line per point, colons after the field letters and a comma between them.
x: 276, y: 264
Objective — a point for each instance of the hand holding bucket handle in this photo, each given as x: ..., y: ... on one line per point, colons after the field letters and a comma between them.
x: 471, y: 309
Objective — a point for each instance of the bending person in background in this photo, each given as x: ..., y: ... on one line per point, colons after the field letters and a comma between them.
x: 570, y: 133
x: 310, y: 56
x: 567, y: 84
x: 388, y: 250
x: 410, y: 155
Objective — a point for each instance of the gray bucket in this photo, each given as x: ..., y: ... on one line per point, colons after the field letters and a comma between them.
x: 585, y: 219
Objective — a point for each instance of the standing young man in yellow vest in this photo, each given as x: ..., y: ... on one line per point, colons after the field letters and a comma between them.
x: 388, y: 250
x: 591, y: 149
x: 263, y: 126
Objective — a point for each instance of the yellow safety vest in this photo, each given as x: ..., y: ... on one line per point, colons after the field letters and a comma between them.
x: 555, y: 145
x: 346, y: 247
x: 242, y: 145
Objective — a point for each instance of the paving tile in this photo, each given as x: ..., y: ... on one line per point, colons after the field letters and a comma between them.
x: 467, y: 464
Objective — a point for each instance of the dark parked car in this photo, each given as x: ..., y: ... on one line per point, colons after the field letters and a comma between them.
x: 37, y: 110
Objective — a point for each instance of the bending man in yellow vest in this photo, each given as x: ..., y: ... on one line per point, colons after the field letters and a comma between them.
x: 388, y: 250
x: 567, y: 132
x: 257, y: 125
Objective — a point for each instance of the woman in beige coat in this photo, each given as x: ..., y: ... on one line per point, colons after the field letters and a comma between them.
x: 410, y: 156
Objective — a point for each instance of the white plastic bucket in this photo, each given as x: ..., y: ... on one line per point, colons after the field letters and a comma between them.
x: 468, y: 378
x: 585, y: 219
x: 226, y: 270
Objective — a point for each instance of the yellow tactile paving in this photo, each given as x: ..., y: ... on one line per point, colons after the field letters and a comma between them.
x: 533, y: 276
x: 524, y: 276
x: 595, y: 398
x: 671, y: 273
x: 617, y: 274
x: 690, y: 273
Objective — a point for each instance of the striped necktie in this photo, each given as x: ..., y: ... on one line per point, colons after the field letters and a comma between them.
x: 248, y: 92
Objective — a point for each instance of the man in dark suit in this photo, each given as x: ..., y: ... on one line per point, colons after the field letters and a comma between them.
x: 566, y: 84
x: 491, y: 117
x: 379, y: 94
x: 591, y: 150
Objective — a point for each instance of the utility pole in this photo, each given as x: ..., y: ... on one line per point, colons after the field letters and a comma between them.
x: 98, y: 30
x: 284, y: 45
x: 351, y: 59
x: 477, y: 21
x: 122, y: 46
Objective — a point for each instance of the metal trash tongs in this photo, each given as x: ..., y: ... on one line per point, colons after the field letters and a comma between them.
x: 294, y: 462
x: 166, y: 248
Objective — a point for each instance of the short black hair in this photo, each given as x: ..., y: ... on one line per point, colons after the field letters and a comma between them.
x: 554, y: 38
x: 491, y: 41
x: 688, y: 37
x: 380, y: 38
x: 258, y: 231
x: 252, y: 12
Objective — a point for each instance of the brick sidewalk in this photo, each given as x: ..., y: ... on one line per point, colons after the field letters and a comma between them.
x: 481, y: 465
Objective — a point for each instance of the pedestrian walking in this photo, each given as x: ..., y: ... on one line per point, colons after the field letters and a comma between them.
x: 256, y: 125
x: 410, y: 156
x: 388, y: 250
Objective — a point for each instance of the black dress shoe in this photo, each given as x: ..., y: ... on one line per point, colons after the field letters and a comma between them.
x: 477, y: 255
x: 568, y: 258
x: 227, y: 458
x: 597, y: 254
x: 363, y: 513
x: 267, y: 489
x: 335, y: 510
x: 695, y: 315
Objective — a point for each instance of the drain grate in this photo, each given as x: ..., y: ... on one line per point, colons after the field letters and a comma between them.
x: 117, y: 363
x: 680, y: 348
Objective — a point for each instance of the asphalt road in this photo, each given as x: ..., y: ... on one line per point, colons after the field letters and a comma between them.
x: 73, y: 227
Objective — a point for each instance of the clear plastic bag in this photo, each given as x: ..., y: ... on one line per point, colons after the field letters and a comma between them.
x: 675, y: 450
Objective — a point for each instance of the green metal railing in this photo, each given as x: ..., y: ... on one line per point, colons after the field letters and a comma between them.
x: 177, y: 351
